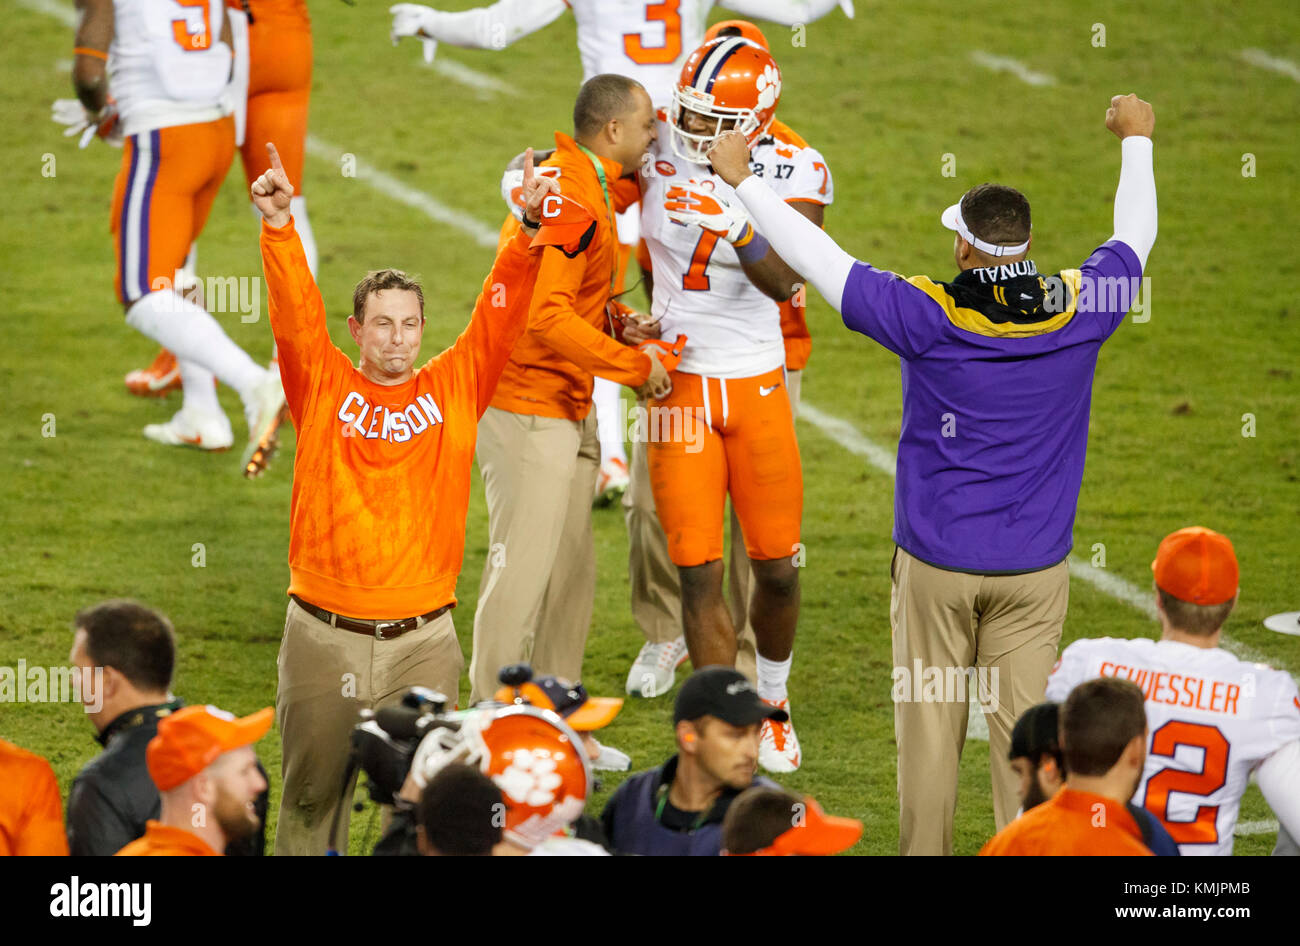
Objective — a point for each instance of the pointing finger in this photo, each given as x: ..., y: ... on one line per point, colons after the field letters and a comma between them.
x: 275, y: 157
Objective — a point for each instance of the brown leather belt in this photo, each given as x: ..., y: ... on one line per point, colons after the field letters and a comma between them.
x: 379, y: 630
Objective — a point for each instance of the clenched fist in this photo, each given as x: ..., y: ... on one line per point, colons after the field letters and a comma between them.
x: 1128, y: 115
x: 272, y: 192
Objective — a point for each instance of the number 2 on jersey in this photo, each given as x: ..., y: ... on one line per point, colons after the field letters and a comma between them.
x: 694, y: 277
x: 192, y: 42
x: 1212, y: 777
x: 643, y: 55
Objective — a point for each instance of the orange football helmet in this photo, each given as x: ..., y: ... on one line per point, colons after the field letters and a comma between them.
x: 731, y: 80
x: 532, y: 755
x: 745, y: 28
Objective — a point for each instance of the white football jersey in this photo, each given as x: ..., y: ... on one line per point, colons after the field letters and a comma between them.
x: 643, y: 41
x: 1211, y: 719
x: 700, y: 289
x: 167, y: 64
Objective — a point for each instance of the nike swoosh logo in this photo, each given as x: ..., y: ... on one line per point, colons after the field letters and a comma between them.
x: 764, y: 392
x: 194, y: 440
x: 1025, y: 296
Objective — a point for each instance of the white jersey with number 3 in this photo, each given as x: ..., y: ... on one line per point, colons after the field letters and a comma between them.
x: 701, y: 291
x: 167, y: 64
x: 1211, y: 719
x: 646, y: 42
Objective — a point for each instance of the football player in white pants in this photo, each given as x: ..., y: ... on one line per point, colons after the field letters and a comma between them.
x: 1212, y: 718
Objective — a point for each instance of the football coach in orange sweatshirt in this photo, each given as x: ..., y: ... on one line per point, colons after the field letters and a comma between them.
x: 380, y: 491
x: 538, y: 449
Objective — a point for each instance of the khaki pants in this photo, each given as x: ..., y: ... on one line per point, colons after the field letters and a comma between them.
x: 326, y: 677
x: 656, y: 588
x: 1007, y: 627
x: 539, y: 581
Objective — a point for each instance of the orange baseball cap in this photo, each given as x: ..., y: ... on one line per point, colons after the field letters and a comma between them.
x: 190, y: 739
x: 1197, y: 565
x: 746, y: 29
x: 818, y: 834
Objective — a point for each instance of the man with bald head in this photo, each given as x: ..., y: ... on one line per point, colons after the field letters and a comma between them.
x: 997, y: 370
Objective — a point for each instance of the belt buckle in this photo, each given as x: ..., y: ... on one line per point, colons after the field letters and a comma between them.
x: 381, y: 626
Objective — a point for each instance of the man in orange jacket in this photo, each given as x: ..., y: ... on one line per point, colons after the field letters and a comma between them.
x: 31, y: 813
x: 1103, y: 738
x: 538, y: 448
x: 380, y: 491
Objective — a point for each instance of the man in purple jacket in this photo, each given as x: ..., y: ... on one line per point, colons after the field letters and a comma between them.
x: 997, y: 370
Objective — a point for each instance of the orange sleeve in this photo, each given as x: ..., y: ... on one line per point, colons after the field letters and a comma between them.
x: 555, y: 323
x: 500, y: 316
x: 41, y: 833
x: 297, y: 315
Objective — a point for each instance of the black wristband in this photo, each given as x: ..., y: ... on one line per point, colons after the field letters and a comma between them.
x: 530, y: 224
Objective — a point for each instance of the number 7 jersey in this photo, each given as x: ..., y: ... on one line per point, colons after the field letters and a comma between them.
x: 700, y: 289
x: 1211, y: 719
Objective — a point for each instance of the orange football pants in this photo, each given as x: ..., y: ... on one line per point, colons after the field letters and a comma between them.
x: 279, y: 91
x: 164, y: 190
x: 714, y: 436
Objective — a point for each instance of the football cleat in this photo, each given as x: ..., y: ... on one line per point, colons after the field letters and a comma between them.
x: 655, y: 670
x: 610, y: 759
x: 265, y: 411
x: 192, y: 428
x: 612, y: 482
x: 778, y: 749
x: 158, y: 379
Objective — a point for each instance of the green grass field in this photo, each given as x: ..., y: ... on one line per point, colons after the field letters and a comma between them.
x: 96, y: 511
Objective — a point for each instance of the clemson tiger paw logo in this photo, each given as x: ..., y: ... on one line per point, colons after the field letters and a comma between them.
x: 768, y: 84
x: 531, y: 778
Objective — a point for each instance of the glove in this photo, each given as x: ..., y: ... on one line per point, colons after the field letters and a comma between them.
x: 695, y: 203
x: 669, y: 355
x: 512, y: 183
x: 72, y: 113
x: 413, y: 19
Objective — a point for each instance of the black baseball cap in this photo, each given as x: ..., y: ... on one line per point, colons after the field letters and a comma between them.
x: 1036, y: 732
x: 725, y: 693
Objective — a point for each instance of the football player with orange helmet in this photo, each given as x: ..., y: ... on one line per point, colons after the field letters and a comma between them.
x: 718, y: 283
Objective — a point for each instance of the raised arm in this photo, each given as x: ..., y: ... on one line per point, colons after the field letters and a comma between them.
x: 493, y: 27
x: 294, y: 302
x: 1133, y: 121
x: 803, y: 245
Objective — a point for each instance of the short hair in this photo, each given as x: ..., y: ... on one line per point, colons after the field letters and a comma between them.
x: 1201, y: 620
x: 601, y: 99
x: 135, y: 640
x: 462, y: 812
x: 1099, y: 719
x: 378, y: 280
x: 757, y: 817
x: 996, y: 214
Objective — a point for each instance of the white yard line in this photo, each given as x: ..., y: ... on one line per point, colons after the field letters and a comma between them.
x: 63, y: 12
x: 386, y: 184
x: 1257, y: 57
x: 1013, y: 66
x: 1244, y: 828
x: 480, y: 81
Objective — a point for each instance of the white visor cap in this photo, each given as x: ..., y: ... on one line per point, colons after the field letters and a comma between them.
x: 952, y: 219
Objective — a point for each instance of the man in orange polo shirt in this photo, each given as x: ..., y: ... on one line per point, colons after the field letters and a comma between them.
x: 31, y: 813
x: 538, y: 448
x: 202, y: 761
x: 380, y: 491
x: 1104, y: 738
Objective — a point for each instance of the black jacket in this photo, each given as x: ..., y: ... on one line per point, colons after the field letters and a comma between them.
x: 113, y: 796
